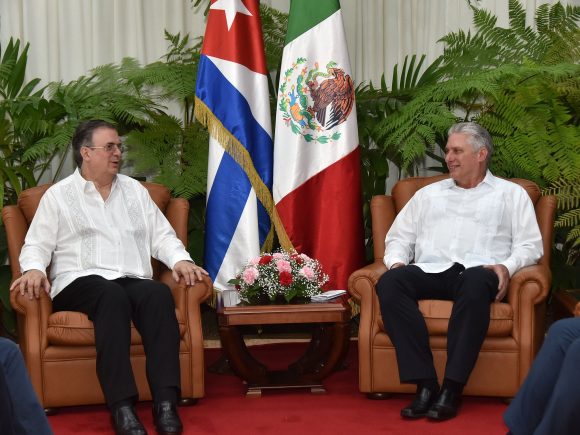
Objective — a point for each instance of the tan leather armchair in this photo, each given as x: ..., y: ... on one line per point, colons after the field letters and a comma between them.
x: 59, y: 347
x: 517, y: 323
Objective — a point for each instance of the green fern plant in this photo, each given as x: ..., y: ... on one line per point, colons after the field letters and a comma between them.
x: 25, y: 117
x: 105, y: 94
x: 568, y: 194
x: 375, y: 104
x: 170, y: 150
x: 566, y: 258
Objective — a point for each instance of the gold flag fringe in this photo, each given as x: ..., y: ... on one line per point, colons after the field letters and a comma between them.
x: 212, y: 302
x: 354, y: 307
x: 240, y: 154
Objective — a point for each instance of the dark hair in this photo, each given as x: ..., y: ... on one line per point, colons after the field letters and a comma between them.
x: 83, y: 136
x: 479, y: 137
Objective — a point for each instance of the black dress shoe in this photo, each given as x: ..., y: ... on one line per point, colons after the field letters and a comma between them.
x: 126, y: 422
x: 166, y: 419
x: 419, y: 407
x: 445, y: 407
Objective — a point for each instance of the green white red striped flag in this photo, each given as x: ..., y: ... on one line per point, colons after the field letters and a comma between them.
x: 316, y: 185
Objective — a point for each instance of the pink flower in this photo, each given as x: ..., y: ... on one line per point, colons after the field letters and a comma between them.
x: 278, y: 255
x: 307, y: 272
x: 305, y: 257
x: 249, y: 275
x: 254, y: 261
x: 283, y: 266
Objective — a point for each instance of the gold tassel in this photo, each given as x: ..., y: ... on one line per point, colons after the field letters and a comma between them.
x: 354, y: 307
x: 240, y: 154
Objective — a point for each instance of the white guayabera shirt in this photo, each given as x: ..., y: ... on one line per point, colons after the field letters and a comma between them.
x: 442, y: 224
x: 79, y: 234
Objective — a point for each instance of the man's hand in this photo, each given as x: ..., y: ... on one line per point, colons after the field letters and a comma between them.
x: 31, y: 283
x: 504, y: 279
x: 189, y: 271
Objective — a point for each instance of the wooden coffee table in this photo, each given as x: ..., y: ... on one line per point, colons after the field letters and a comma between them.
x: 327, y: 348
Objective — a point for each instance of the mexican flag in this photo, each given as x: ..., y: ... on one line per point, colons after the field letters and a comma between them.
x: 316, y: 185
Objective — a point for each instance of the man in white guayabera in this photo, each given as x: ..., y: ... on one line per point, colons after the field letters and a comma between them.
x: 459, y: 239
x: 98, y: 230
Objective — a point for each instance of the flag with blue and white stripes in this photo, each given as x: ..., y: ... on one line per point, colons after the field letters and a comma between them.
x: 232, y: 101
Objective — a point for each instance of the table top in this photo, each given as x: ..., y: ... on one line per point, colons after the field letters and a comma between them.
x: 332, y: 311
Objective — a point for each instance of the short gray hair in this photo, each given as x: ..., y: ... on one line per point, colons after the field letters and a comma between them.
x: 478, y: 136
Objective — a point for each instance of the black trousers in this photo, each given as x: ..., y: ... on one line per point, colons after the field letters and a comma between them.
x: 111, y: 305
x: 472, y: 291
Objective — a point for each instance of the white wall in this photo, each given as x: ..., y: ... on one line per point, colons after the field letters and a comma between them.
x: 69, y: 37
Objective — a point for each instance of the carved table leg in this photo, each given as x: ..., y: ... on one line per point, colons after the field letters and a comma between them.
x: 338, y: 336
x: 241, y: 361
x: 327, y: 348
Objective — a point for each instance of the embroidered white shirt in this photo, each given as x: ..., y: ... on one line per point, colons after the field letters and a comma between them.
x: 492, y: 223
x: 79, y: 234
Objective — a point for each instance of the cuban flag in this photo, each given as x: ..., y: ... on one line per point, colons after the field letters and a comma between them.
x: 232, y: 101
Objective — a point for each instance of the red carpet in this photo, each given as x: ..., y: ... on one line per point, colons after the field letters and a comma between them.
x: 342, y: 410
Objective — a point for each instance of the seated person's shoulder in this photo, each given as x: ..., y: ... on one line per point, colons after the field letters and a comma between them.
x: 435, y: 187
x: 511, y: 187
x: 6, y: 345
x: 126, y: 181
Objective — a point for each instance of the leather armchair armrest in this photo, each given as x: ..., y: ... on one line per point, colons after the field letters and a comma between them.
x: 200, y: 291
x: 185, y: 295
x: 361, y: 283
x: 527, y: 293
x: 530, y: 283
x: 40, y: 308
x: 32, y: 316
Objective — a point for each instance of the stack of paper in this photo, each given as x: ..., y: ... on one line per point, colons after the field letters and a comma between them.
x: 326, y: 296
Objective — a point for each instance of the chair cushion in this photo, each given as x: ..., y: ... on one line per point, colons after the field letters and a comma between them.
x: 437, y: 315
x: 71, y: 328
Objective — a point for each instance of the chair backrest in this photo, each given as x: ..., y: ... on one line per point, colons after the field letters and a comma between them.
x: 385, y: 208
x: 17, y: 218
x: 30, y: 198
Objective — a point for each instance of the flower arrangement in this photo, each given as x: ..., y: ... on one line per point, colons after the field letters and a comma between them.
x: 288, y: 274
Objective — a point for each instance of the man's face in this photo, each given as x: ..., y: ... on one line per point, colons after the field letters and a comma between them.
x: 466, y: 166
x: 97, y: 159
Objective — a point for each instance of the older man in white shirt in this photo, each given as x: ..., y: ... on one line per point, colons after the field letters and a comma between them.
x: 459, y: 239
x: 98, y: 230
